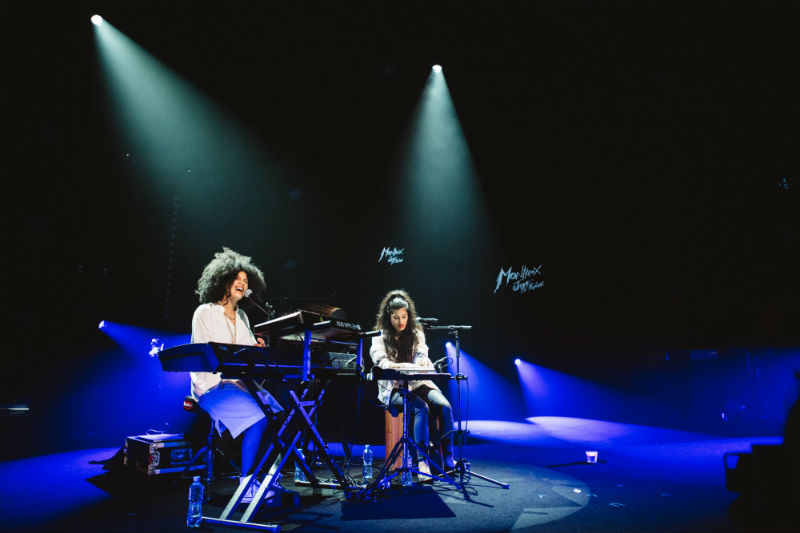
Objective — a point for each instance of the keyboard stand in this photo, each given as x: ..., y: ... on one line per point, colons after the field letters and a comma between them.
x: 402, y: 446
x: 282, y: 447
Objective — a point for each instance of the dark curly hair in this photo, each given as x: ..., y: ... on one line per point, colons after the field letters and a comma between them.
x: 218, y: 275
x: 400, y: 349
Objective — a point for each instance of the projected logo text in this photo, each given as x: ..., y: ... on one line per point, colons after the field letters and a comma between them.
x: 523, y: 279
x: 392, y: 255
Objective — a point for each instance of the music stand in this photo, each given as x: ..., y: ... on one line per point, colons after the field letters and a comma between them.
x: 462, y: 467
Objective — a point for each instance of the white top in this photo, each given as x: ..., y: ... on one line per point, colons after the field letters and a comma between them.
x: 209, y: 324
x: 380, y: 358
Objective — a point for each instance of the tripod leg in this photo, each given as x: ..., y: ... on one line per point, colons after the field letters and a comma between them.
x: 504, y: 485
x: 382, y: 479
x: 397, y: 452
x: 463, y: 469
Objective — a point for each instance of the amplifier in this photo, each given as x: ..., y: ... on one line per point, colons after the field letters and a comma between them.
x: 159, y: 454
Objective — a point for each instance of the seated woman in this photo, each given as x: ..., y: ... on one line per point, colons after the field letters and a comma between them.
x: 219, y: 319
x: 402, y: 343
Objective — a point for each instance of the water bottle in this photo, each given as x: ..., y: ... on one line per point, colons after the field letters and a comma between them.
x: 367, y: 456
x: 195, y: 514
x: 406, y: 477
x: 299, y: 475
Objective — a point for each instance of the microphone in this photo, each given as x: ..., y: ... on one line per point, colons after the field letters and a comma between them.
x: 448, y: 328
x: 427, y: 320
x: 440, y: 361
x: 267, y: 309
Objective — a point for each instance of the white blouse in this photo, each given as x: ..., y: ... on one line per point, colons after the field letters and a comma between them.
x: 209, y: 324
x: 380, y: 358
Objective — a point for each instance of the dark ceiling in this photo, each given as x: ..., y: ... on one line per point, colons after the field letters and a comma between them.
x: 637, y: 149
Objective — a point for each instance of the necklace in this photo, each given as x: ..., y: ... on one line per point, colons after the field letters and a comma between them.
x: 228, y: 320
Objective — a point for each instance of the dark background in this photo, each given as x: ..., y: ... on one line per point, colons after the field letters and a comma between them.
x: 645, y: 153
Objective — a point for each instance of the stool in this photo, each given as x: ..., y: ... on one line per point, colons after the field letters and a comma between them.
x: 207, y: 451
x: 394, y: 432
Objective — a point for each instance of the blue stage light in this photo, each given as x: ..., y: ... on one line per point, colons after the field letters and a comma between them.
x: 137, y: 342
x: 517, y: 361
x: 101, y: 325
x: 155, y: 347
x: 487, y: 391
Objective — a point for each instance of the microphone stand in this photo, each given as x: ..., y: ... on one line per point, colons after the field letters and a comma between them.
x: 269, y: 311
x: 462, y: 465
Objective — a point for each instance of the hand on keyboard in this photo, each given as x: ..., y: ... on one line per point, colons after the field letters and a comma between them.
x: 424, y: 362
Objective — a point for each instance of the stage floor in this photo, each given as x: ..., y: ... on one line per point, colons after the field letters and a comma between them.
x: 646, y: 479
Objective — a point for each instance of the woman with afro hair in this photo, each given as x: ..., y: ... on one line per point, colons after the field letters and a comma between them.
x: 402, y: 345
x: 220, y: 288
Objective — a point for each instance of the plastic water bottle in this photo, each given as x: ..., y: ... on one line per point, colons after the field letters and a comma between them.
x: 299, y: 475
x: 367, y: 456
x: 195, y: 514
x: 406, y: 477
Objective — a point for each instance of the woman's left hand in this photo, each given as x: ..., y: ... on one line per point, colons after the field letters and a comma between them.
x: 260, y: 342
x: 424, y: 361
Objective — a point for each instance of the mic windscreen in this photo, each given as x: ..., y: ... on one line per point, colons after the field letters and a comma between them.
x: 248, y: 292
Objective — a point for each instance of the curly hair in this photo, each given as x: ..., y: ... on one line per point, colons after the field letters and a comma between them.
x: 218, y: 275
x: 400, y: 349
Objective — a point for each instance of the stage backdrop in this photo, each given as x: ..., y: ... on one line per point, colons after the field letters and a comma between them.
x: 581, y: 184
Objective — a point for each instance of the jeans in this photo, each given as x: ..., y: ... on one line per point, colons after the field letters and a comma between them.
x: 421, y: 402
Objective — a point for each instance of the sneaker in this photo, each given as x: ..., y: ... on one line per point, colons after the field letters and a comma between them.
x: 424, y: 472
x: 253, y: 490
